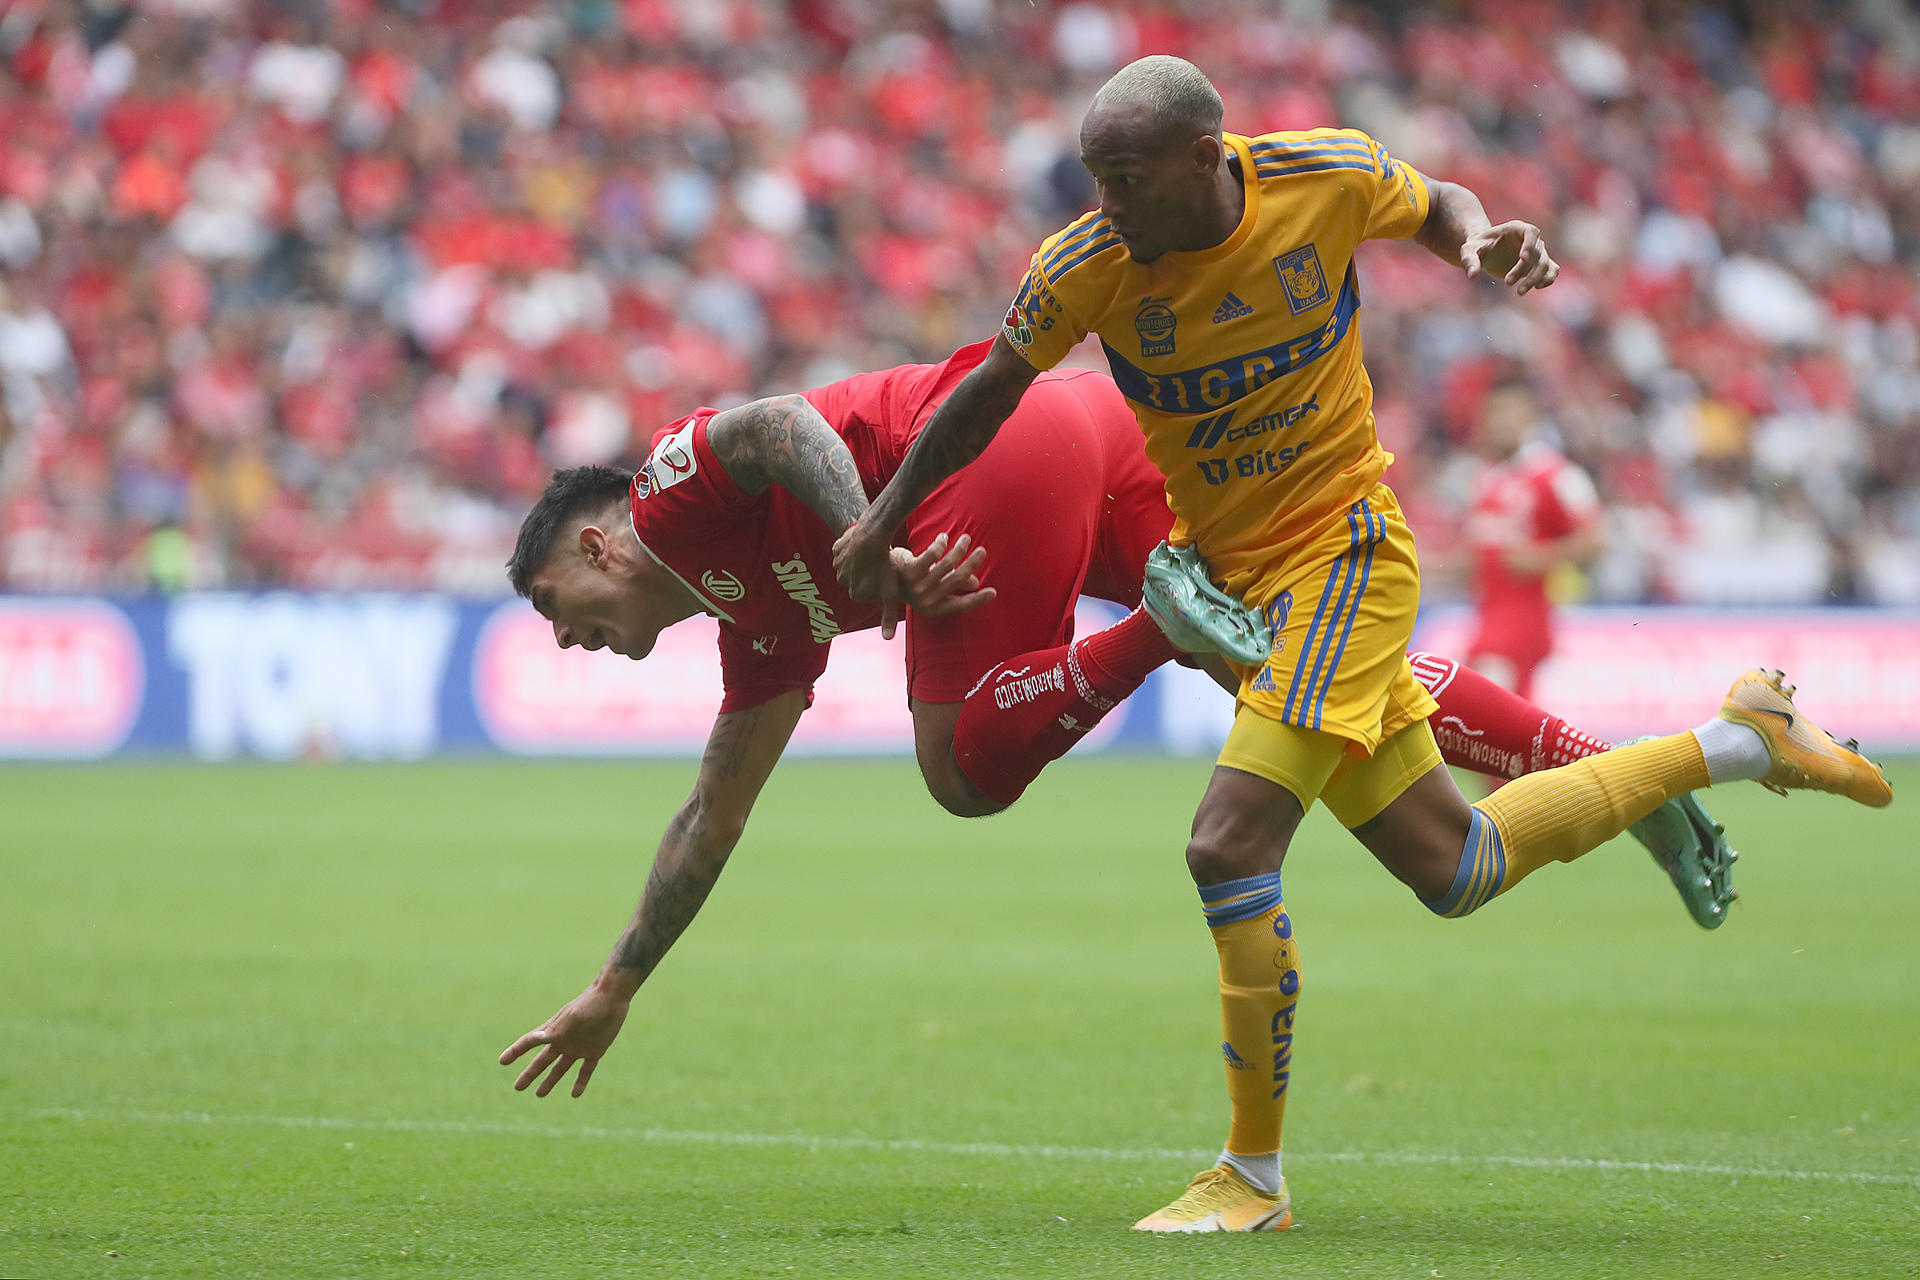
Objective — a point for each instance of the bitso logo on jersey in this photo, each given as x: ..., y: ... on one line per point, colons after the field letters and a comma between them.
x: 722, y: 585
x: 1154, y: 323
x: 1301, y: 276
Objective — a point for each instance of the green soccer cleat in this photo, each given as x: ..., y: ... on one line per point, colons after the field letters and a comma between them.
x: 1196, y: 615
x: 1692, y: 849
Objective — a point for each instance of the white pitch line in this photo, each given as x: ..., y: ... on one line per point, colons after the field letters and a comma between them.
x: 469, y: 1128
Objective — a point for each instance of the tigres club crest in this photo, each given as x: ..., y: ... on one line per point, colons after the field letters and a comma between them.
x: 1300, y: 275
x: 1154, y: 323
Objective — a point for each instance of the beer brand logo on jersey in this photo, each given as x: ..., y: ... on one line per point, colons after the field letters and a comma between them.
x: 1230, y: 308
x: 672, y: 461
x: 1301, y: 276
x: 1154, y: 323
x: 722, y: 585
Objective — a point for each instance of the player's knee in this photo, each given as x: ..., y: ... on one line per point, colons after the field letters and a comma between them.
x: 1433, y: 888
x: 952, y: 791
x: 1219, y: 852
x: 1425, y: 864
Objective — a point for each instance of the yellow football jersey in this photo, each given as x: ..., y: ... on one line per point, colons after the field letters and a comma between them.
x: 1241, y: 362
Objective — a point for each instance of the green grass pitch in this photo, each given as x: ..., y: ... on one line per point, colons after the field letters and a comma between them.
x: 253, y: 1013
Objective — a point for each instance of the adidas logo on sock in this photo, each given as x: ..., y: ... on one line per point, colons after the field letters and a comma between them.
x: 1230, y: 308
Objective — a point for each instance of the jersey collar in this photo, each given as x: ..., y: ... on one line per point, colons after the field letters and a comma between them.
x: 1249, y: 212
x: 707, y: 602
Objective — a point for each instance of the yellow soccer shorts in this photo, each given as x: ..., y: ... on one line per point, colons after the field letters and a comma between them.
x: 1341, y: 609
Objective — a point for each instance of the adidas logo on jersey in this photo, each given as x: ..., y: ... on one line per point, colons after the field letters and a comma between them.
x: 1230, y: 308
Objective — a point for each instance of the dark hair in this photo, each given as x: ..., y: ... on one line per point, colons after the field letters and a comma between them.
x: 571, y: 494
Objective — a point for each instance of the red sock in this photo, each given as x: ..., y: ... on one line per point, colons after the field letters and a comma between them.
x: 1030, y: 710
x: 1484, y: 727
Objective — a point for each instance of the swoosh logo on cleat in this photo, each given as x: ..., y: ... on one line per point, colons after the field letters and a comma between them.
x: 1775, y: 711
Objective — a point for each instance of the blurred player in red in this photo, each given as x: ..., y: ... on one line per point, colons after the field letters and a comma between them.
x: 1533, y: 512
x: 734, y: 514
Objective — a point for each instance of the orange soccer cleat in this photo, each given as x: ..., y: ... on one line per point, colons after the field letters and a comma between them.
x: 1219, y: 1199
x: 1805, y: 756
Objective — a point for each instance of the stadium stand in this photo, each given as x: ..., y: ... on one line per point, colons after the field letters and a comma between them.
x: 313, y: 294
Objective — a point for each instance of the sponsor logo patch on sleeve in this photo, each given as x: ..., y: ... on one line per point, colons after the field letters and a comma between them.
x: 672, y: 460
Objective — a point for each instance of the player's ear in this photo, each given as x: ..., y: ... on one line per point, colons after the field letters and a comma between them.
x: 593, y: 545
x: 1208, y: 153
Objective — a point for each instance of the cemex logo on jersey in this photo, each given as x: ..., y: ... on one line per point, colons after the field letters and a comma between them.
x: 1217, y: 429
x: 671, y: 462
x: 797, y: 580
x: 722, y: 585
x: 1230, y: 308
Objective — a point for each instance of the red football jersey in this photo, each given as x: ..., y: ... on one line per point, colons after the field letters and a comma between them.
x: 1064, y: 500
x: 1534, y: 496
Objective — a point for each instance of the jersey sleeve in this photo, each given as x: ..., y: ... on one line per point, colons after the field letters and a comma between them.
x: 754, y: 669
x: 1400, y: 198
x: 1572, y: 501
x: 682, y: 498
x: 1043, y: 324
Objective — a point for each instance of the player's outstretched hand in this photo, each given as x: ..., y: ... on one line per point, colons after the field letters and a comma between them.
x: 1513, y: 252
x: 581, y: 1032
x: 864, y: 565
x: 945, y: 578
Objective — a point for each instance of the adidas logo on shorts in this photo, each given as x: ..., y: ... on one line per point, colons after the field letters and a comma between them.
x: 1230, y: 308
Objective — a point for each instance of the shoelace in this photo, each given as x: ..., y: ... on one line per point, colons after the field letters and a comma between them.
x: 1210, y: 1189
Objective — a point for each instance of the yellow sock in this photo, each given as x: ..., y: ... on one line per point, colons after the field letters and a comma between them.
x: 1559, y: 814
x: 1259, y: 986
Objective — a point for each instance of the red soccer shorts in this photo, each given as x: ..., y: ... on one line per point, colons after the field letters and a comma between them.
x: 1066, y: 504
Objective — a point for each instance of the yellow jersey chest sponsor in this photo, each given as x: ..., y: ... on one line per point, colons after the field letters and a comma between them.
x: 1222, y: 367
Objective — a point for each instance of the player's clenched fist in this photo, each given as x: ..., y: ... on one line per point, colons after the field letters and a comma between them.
x: 1514, y: 252
x: 863, y: 563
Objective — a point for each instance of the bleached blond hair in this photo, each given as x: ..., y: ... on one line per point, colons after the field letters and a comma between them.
x: 1174, y: 91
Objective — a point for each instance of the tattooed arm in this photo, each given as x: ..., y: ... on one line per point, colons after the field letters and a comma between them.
x: 959, y: 431
x: 741, y: 753
x: 783, y: 440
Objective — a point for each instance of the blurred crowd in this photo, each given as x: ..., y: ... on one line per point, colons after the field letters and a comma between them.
x: 315, y: 292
